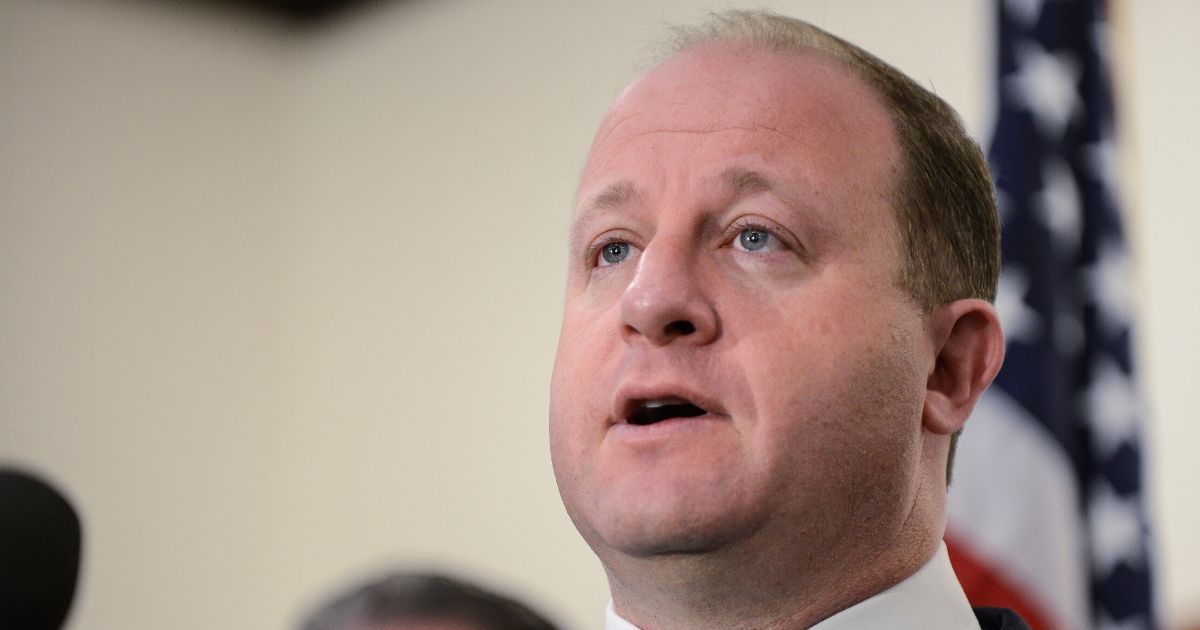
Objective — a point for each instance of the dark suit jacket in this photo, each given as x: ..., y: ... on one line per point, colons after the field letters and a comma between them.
x: 999, y: 619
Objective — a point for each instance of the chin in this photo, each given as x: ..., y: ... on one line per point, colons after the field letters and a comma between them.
x: 677, y: 528
x: 661, y: 544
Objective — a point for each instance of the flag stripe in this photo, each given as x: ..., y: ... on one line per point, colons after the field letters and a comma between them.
x: 1012, y: 508
x: 990, y: 588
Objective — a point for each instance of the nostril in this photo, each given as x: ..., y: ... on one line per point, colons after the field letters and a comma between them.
x: 680, y: 327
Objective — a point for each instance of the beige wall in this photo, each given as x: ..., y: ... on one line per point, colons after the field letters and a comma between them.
x: 1162, y: 100
x: 279, y: 305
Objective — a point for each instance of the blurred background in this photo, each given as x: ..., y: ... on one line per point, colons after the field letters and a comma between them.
x: 280, y: 287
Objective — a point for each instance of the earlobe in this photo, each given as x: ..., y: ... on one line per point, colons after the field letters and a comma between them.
x: 969, y: 347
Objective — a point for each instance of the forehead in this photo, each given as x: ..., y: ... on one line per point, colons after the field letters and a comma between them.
x: 804, y: 112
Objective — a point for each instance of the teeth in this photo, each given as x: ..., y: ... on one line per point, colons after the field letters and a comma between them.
x: 663, y: 402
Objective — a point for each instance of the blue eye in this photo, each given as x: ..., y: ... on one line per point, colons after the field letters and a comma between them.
x: 613, y: 253
x: 754, y: 239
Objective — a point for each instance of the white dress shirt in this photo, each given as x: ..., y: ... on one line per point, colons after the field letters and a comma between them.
x: 930, y: 599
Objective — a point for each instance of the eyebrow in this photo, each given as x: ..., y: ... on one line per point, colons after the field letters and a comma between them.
x: 743, y: 181
x: 614, y: 195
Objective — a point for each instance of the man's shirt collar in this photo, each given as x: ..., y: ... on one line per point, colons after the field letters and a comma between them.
x: 613, y: 621
x: 930, y: 599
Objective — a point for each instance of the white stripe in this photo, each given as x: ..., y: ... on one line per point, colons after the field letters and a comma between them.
x: 1014, y: 501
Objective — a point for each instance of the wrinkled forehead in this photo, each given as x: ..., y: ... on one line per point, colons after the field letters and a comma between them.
x: 806, y: 97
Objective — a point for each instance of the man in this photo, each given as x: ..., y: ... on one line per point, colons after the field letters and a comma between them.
x: 777, y: 320
x: 420, y: 601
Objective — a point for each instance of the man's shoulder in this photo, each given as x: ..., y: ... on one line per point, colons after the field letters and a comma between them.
x: 999, y: 619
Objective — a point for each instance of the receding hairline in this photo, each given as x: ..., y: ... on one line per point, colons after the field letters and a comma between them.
x: 747, y: 28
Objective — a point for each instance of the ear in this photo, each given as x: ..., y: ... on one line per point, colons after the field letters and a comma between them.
x: 969, y: 348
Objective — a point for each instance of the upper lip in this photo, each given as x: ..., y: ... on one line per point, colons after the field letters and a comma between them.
x: 631, y: 396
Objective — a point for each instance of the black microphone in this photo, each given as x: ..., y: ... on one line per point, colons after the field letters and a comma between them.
x: 39, y: 553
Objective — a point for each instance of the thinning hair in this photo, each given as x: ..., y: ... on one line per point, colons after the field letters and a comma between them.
x: 945, y: 202
x: 423, y: 597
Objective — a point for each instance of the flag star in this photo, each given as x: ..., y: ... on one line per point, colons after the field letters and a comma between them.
x: 1108, y: 283
x: 1058, y: 204
x: 1115, y: 530
x: 1113, y: 405
x: 1020, y: 322
x: 1024, y: 11
x: 1101, y: 158
x: 1045, y: 84
x: 1104, y: 621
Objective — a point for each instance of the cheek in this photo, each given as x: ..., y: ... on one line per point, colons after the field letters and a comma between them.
x: 577, y: 406
x: 568, y: 443
x: 565, y: 423
x: 835, y: 396
x: 577, y: 362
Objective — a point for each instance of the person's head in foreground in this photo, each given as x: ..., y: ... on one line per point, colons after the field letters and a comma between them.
x: 782, y: 257
x: 420, y: 601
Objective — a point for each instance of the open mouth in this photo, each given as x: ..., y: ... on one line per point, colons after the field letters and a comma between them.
x: 647, y: 412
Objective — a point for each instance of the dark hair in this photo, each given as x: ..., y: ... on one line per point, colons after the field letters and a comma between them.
x: 424, y: 597
x: 944, y: 197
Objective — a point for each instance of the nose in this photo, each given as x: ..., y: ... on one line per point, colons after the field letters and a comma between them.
x: 666, y: 301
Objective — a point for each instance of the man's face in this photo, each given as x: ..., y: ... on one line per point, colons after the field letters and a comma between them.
x: 736, y: 359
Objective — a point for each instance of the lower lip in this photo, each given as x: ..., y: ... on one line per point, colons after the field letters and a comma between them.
x: 671, y: 428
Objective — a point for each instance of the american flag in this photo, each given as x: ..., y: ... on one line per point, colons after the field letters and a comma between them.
x: 1046, y: 513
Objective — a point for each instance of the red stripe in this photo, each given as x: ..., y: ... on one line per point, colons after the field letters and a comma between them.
x: 986, y: 585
